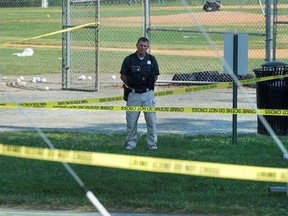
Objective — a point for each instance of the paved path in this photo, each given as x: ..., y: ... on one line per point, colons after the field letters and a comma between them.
x: 114, y: 121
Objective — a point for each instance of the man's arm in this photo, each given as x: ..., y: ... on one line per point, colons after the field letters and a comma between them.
x: 124, y: 79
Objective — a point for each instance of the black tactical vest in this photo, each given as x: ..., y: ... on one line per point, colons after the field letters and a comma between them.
x: 141, y: 74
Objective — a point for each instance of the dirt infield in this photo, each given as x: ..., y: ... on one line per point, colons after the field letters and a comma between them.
x: 189, y: 19
x: 209, y: 18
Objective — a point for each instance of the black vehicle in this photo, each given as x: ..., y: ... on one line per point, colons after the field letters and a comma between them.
x: 212, y: 6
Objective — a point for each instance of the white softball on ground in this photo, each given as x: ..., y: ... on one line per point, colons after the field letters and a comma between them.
x: 34, y: 80
x: 27, y: 52
x: 113, y: 77
x: 21, y: 78
x: 47, y: 88
x: 38, y: 79
x: 82, y: 77
x: 89, y: 78
x: 44, y: 80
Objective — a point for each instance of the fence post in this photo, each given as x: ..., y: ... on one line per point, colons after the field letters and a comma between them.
x: 268, y: 31
x: 45, y: 3
x: 146, y: 18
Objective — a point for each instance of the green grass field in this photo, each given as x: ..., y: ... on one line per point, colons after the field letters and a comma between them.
x: 47, y: 185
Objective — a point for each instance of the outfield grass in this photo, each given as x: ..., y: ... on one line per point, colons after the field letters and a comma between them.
x: 44, y: 185
x: 44, y: 61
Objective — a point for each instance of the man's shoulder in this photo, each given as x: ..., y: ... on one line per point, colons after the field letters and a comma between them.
x: 150, y: 56
x: 130, y: 57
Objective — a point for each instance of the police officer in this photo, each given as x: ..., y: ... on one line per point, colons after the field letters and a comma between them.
x: 139, y: 72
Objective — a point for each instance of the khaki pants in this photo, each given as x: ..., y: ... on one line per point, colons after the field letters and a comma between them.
x: 144, y: 99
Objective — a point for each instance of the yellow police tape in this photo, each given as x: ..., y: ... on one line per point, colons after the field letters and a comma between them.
x: 52, y: 104
x: 150, y: 164
x: 203, y: 110
x: 53, y: 33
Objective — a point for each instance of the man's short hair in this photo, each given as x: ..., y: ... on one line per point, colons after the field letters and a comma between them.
x: 143, y: 39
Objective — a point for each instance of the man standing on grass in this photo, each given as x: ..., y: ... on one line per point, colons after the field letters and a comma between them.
x: 139, y: 72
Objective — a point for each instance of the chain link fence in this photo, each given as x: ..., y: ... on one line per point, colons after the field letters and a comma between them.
x: 80, y: 56
x: 24, y: 19
x: 280, y: 30
x: 189, y: 39
x: 121, y: 24
x: 30, y: 3
x: 184, y: 37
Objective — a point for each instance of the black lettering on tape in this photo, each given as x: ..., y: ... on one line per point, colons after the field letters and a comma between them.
x: 82, y: 157
x: 161, y: 165
x: 210, y: 171
x: 199, y: 110
x: 266, y: 175
x: 62, y: 155
x: 135, y: 162
x: 272, y: 112
x: 176, y: 109
x: 162, y: 109
x: 191, y: 89
x: 190, y: 168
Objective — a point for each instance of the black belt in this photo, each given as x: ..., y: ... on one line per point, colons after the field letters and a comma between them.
x: 140, y: 91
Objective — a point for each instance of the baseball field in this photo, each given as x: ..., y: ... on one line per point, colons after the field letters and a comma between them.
x: 184, y: 138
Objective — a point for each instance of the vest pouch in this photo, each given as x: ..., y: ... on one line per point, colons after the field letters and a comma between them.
x: 126, y: 92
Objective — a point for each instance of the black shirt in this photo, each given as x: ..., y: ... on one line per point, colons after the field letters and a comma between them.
x: 140, y: 73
